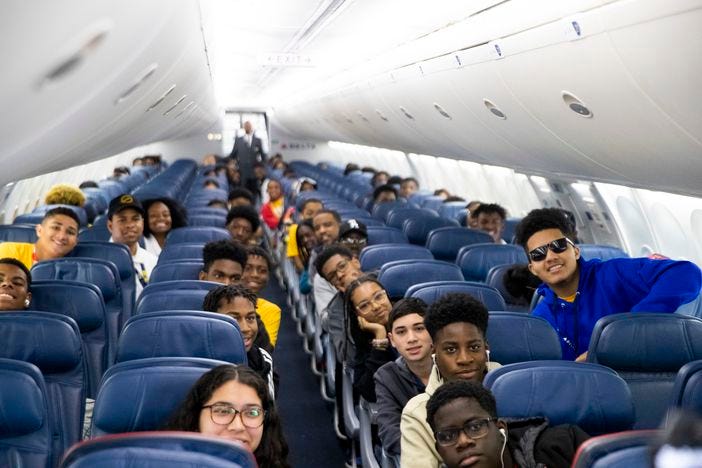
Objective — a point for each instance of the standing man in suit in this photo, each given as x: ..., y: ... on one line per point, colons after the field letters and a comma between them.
x: 247, y: 150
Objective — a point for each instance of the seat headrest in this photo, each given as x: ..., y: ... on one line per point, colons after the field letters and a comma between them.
x: 184, y: 299
x: 398, y: 276
x: 116, y: 253
x: 647, y: 342
x: 92, y: 271
x: 519, y: 337
x: 477, y: 259
x: 81, y: 301
x: 431, y: 292
x: 22, y: 398
x: 417, y: 229
x: 445, y: 242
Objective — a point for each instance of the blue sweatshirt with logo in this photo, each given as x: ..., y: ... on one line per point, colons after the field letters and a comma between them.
x: 615, y: 286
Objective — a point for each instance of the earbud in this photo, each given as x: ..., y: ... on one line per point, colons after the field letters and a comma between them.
x: 26, y: 302
x: 487, y: 351
x: 504, y: 433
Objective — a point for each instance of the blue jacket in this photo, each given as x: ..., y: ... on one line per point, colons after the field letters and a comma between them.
x: 616, y: 286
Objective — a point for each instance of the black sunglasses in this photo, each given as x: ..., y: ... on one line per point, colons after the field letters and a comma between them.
x: 555, y: 246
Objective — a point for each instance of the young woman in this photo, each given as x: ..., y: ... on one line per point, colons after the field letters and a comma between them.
x: 306, y: 242
x: 162, y: 215
x: 274, y: 210
x: 233, y: 402
x: 368, y: 308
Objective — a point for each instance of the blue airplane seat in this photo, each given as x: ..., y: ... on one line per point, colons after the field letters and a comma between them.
x: 25, y: 432
x: 398, y: 276
x: 159, y: 450
x: 382, y: 210
x: 418, y: 197
x: 78, y: 210
x: 18, y: 233
x: 603, y: 252
x: 687, y: 388
x: 196, y: 234
x: 177, y: 284
x: 186, y: 299
x: 120, y: 255
x: 452, y: 210
x: 181, y: 252
x: 101, y: 273
x: 113, y: 188
x: 182, y: 334
x: 207, y: 211
x: 397, y: 216
x: 476, y: 260
x: 350, y: 213
x: 52, y: 343
x: 430, y: 292
x: 432, y: 202
x: 29, y: 218
x: 445, y: 242
x: 368, y: 221
x: 95, y: 233
x: 518, y: 337
x: 101, y: 198
x: 496, y: 279
x: 418, y: 229
x: 628, y: 449
x: 141, y: 395
x: 187, y: 270
x: 375, y: 256
x: 207, y: 220
x: 386, y: 235
x: 83, y: 303
x: 510, y: 226
x: 589, y: 395
x: 647, y: 350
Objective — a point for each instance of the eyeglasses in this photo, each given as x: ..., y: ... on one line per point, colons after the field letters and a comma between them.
x: 475, y: 429
x: 365, y: 306
x: 555, y: 246
x: 340, y: 268
x: 354, y: 241
x: 223, y: 415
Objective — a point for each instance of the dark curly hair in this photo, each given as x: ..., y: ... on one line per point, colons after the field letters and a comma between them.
x: 539, y: 220
x: 329, y: 252
x: 228, y: 292
x: 404, y: 307
x: 303, y: 252
x: 246, y: 212
x: 460, y: 389
x: 384, y: 188
x: 489, y: 208
x: 239, y: 192
x: 21, y: 266
x: 456, y: 307
x: 179, y: 217
x: 61, y: 210
x: 223, y: 249
x: 273, y: 450
x: 258, y: 251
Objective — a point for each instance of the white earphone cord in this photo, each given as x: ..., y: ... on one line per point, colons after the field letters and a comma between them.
x: 502, y: 452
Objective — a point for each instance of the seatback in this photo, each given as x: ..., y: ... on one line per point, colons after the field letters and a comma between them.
x: 417, y: 229
x: 182, y: 334
x: 647, y: 350
x: 186, y: 270
x: 451, y: 210
x: 603, y: 252
x: 95, y: 233
x: 141, y: 395
x: 52, y: 343
x: 687, y: 388
x: 382, y: 210
x: 182, y: 299
x: 591, y: 396
x: 100, y: 273
x: 430, y: 292
x: 477, y: 259
x: 518, y: 337
x: 18, y: 233
x: 432, y: 202
x: 610, y: 450
x: 78, y: 210
x: 159, y: 450
x: 398, y: 216
x: 177, y: 284
x: 398, y: 276
x: 496, y: 279
x: 196, y: 234
x: 25, y: 432
x: 28, y: 218
x: 120, y: 255
x: 180, y: 252
x: 385, y: 235
x: 207, y: 220
x: 510, y: 226
x: 375, y: 256
x: 445, y: 242
x: 83, y: 303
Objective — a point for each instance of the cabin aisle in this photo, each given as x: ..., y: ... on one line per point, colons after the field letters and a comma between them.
x: 307, y: 420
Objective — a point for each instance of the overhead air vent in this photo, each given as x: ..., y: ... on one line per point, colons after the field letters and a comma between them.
x: 160, y: 100
x: 188, y: 106
x: 407, y: 114
x: 442, y: 111
x: 494, y: 110
x: 76, y: 53
x: 363, y: 117
x: 380, y: 114
x: 182, y: 98
x: 576, y: 105
x: 150, y: 70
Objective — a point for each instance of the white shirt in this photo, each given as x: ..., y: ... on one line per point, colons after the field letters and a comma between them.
x: 151, y: 245
x: 144, y: 263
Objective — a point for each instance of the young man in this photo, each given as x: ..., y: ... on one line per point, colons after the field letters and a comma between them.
x: 408, y: 186
x: 491, y: 219
x: 240, y: 304
x: 223, y: 262
x: 256, y: 274
x: 398, y: 381
x: 15, y: 283
x: 125, y: 221
x: 578, y: 292
x: 240, y: 197
x: 326, y: 228
x: 384, y: 193
x: 463, y: 418
x: 242, y: 222
x: 57, y: 235
x: 308, y: 210
x: 472, y: 218
x: 457, y: 324
x: 353, y: 235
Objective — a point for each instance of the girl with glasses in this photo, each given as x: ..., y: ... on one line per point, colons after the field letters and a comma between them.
x: 233, y: 402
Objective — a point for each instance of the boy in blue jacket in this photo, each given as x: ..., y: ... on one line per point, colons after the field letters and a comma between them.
x: 578, y: 292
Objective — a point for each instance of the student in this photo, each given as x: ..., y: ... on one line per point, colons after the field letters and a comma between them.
x: 15, y: 284
x: 240, y: 197
x: 274, y: 210
x: 57, y: 235
x: 380, y: 178
x: 255, y: 277
x: 326, y: 228
x: 223, y: 262
x: 463, y: 417
x: 306, y: 243
x: 408, y: 186
x: 472, y: 218
x: 367, y: 310
x: 242, y: 222
x: 162, y: 216
x: 308, y: 210
x: 578, y: 292
x: 407, y: 376
x: 239, y: 303
x: 457, y: 324
x: 353, y: 235
x: 491, y: 219
x: 233, y: 402
x: 384, y: 193
x: 125, y: 221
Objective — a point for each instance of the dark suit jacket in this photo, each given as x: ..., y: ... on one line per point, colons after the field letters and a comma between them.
x: 247, y: 155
